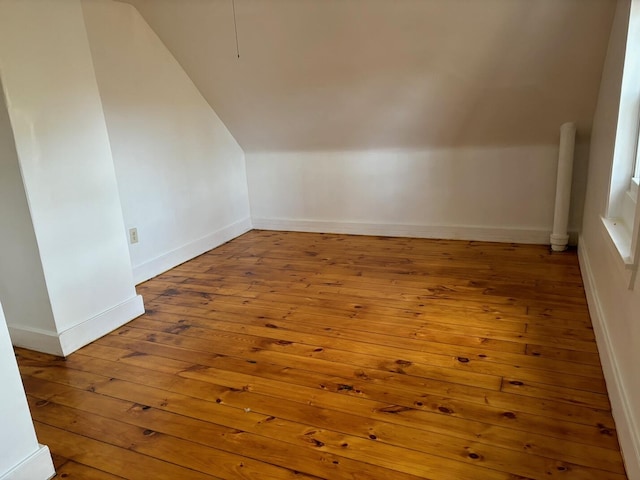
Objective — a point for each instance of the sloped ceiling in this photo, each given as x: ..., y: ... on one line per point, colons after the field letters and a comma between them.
x: 366, y: 74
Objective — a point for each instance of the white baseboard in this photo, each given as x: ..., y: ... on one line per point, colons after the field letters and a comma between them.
x: 35, y: 339
x: 67, y: 342
x: 626, y: 424
x: 86, y: 332
x: 169, y: 260
x: 457, y: 232
x: 37, y: 466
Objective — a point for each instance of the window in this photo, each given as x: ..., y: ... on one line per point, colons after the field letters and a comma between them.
x: 622, y: 219
x: 630, y: 198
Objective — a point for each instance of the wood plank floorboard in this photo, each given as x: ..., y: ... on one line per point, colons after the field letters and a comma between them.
x: 284, y: 355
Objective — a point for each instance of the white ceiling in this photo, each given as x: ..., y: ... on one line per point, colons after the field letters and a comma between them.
x: 365, y: 74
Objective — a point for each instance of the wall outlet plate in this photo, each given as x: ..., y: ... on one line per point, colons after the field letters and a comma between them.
x: 133, y: 235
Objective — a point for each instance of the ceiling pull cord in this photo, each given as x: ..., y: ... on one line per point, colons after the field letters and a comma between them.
x: 235, y: 26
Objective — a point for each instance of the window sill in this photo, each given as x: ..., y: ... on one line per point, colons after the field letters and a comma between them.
x: 620, y: 235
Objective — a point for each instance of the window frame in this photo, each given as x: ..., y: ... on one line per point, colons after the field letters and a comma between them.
x: 635, y: 174
x: 622, y: 215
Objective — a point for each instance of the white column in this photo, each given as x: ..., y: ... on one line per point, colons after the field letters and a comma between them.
x: 560, y: 236
x: 77, y: 245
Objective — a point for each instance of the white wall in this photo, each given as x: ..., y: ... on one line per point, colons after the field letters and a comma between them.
x: 348, y: 112
x: 68, y: 175
x: 180, y: 173
x: 501, y: 193
x: 335, y: 75
x: 22, y: 458
x: 22, y: 283
x: 615, y: 309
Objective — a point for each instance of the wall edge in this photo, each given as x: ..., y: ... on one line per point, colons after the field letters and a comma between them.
x: 449, y: 232
x: 626, y: 425
x: 169, y: 260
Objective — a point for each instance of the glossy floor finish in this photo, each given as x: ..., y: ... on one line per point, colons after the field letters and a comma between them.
x: 298, y: 356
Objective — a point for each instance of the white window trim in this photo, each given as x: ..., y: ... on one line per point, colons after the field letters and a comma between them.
x: 630, y: 197
x: 635, y: 176
x: 622, y: 220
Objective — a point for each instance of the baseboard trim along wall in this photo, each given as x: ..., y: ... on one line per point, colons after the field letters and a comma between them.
x: 37, y: 466
x: 626, y: 424
x: 35, y: 339
x: 86, y: 332
x: 67, y: 342
x: 449, y: 232
x: 169, y: 260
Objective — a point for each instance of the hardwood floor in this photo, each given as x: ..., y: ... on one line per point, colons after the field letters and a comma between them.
x: 300, y: 356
